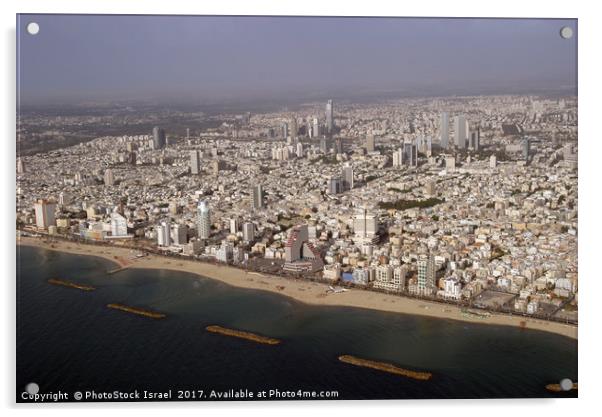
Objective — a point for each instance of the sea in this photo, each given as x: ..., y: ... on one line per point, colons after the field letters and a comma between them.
x: 69, y: 342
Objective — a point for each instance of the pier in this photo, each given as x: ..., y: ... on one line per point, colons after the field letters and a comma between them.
x: 243, y: 335
x: 114, y: 271
x: 385, y: 367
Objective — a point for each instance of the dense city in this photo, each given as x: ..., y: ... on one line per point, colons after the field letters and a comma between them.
x: 468, y: 200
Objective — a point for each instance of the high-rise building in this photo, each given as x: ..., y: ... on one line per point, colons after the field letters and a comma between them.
x: 365, y: 225
x: 329, y: 117
x: 258, y: 197
x: 398, y: 158
x: 444, y: 130
x: 294, y: 128
x: 526, y: 149
x: 475, y: 139
x: 315, y: 131
x: 335, y: 185
x: 179, y: 234
x: 203, y: 220
x: 109, y: 178
x: 119, y: 226
x: 426, y: 274
x: 248, y: 232
x: 284, y: 130
x: 233, y: 226
x: 158, y: 138
x: 20, y: 166
x: 45, y: 214
x: 347, y: 176
x: 370, y: 143
x: 299, y: 151
x: 410, y: 154
x: 460, y: 131
x: 492, y: 161
x: 195, y: 162
x: 164, y: 233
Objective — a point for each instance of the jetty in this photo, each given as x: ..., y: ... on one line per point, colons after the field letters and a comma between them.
x: 137, y: 310
x: 243, y: 335
x: 114, y: 271
x: 69, y: 284
x: 385, y: 367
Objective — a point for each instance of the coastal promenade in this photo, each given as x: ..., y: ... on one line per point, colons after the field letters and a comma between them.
x: 304, y: 291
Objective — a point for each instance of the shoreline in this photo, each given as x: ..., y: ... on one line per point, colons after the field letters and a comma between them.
x: 307, y: 292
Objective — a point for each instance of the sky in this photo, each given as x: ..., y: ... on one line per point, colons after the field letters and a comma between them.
x: 212, y: 58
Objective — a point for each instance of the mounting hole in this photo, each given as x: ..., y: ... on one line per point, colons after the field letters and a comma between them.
x: 33, y: 28
x: 32, y: 388
x: 566, y: 32
x: 566, y: 384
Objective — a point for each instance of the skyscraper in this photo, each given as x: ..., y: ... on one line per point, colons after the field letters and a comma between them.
x: 195, y: 167
x: 370, y: 143
x: 409, y: 154
x: 258, y: 197
x: 398, y: 158
x: 426, y: 274
x: 179, y: 234
x: 460, y: 131
x: 20, y: 166
x: 119, y: 226
x: 365, y: 225
x: 294, y: 128
x: 329, y: 117
x: 203, y: 220
x: 45, y: 214
x: 315, y: 131
x: 347, y: 176
x: 526, y: 149
x: 109, y: 178
x: 248, y: 232
x: 475, y: 139
x: 335, y: 185
x: 158, y: 138
x: 444, y: 130
x: 285, y: 130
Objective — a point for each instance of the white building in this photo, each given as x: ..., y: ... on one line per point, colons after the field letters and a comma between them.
x: 365, y: 225
x: 452, y: 289
x: 203, y: 220
x: 45, y: 214
x: 119, y: 226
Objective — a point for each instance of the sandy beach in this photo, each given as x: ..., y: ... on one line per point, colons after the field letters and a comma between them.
x: 304, y: 291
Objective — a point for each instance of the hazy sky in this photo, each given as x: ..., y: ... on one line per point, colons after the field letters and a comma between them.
x: 87, y: 57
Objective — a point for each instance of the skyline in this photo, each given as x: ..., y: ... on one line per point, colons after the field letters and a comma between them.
x: 287, y: 58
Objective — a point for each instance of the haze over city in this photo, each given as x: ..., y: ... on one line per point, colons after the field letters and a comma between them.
x: 213, y: 59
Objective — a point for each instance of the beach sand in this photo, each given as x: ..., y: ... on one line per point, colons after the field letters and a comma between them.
x: 298, y: 289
